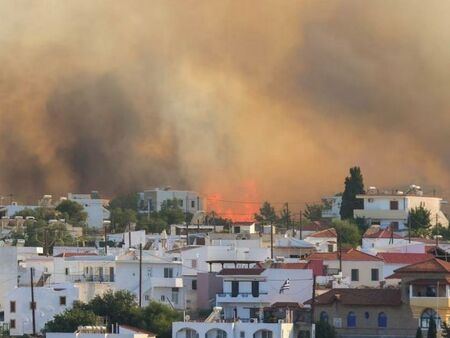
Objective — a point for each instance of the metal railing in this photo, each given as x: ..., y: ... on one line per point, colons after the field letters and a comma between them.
x: 90, y: 278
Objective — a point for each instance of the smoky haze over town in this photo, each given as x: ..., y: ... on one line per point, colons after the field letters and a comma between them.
x: 249, y: 100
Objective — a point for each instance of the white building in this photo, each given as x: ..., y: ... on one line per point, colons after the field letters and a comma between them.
x: 161, y: 278
x: 323, y: 241
x: 151, y: 200
x: 332, y: 207
x: 235, y: 329
x: 391, y: 208
x: 49, y: 301
x: 8, y: 274
x: 247, y: 291
x: 93, y: 206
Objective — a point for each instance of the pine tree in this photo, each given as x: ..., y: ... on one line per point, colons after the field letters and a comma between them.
x: 354, y: 185
x: 432, y: 331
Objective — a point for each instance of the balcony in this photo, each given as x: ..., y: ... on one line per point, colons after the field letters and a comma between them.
x: 90, y: 278
x: 381, y: 214
x: 160, y: 282
x: 243, y: 297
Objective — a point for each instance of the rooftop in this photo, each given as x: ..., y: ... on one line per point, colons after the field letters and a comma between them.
x: 327, y: 233
x: 349, y: 255
x: 365, y: 297
x: 381, y: 233
x: 403, y: 258
x: 241, y: 272
x: 432, y: 265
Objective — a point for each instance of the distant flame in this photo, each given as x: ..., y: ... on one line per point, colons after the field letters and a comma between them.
x: 242, y: 208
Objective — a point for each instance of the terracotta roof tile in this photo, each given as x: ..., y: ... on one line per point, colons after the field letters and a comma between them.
x: 432, y: 265
x: 349, y: 255
x: 403, y: 258
x: 327, y: 233
x: 240, y: 272
x: 382, y: 233
x: 367, y: 297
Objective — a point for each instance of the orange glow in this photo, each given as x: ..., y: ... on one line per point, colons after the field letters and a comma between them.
x: 241, y: 209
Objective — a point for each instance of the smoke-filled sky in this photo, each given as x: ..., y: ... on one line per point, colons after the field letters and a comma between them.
x: 242, y: 99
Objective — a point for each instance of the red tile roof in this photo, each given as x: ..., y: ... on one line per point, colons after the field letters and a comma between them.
x: 74, y: 254
x: 403, y: 258
x: 315, y: 226
x: 300, y: 266
x: 365, y: 297
x: 241, y: 272
x: 382, y: 233
x: 432, y: 265
x: 325, y: 233
x: 349, y: 255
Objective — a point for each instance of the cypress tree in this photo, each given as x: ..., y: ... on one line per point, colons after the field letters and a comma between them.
x: 354, y: 185
x: 432, y: 331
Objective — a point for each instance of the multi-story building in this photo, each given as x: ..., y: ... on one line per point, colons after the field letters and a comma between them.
x: 391, y: 208
x: 48, y: 302
x: 362, y: 269
x: 161, y: 278
x: 332, y: 207
x: 93, y: 206
x: 188, y: 201
x: 246, y: 292
x: 324, y: 241
x: 425, y: 287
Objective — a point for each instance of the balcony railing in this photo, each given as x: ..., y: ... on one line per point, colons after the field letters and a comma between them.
x: 90, y: 278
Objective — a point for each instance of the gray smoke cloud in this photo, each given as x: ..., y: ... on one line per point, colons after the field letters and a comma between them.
x: 254, y: 100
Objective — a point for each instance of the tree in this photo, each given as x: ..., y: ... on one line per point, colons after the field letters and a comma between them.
x: 313, y: 212
x: 267, y: 214
x: 73, y: 212
x: 115, y: 306
x: 69, y: 320
x: 171, y: 211
x: 159, y: 318
x: 419, y: 333
x: 285, y: 216
x: 348, y: 233
x: 39, y: 233
x: 153, y: 223
x: 420, y: 220
x: 354, y: 185
x: 120, y: 218
x: 325, y: 330
x: 432, y: 331
x: 128, y: 201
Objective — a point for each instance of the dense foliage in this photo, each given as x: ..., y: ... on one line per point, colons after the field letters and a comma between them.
x: 348, y: 233
x: 325, y: 330
x: 354, y: 185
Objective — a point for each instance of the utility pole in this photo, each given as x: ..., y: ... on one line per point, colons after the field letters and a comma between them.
x: 187, y: 233
x: 140, y: 274
x: 271, y: 240
x: 409, y: 228
x: 33, y: 304
x: 339, y: 239
x: 313, y: 305
x: 106, y: 240
x: 46, y: 242
x: 301, y: 226
x: 129, y: 235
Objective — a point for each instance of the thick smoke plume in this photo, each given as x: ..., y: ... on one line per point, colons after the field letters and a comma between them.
x: 249, y: 100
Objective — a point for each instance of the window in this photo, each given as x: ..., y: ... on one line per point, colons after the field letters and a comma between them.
x: 425, y: 318
x: 351, y: 319
x: 355, y: 275
x: 66, y: 270
x: 168, y: 273
x: 324, y: 316
x: 147, y: 297
x: 375, y: 274
x: 242, y: 334
x: 163, y: 298
x: 175, y: 295
x: 62, y: 300
x: 191, y: 333
x: 87, y: 270
x: 192, y: 204
x: 234, y: 288
x: 194, y: 263
x: 194, y: 284
x: 12, y: 324
x: 180, y: 202
x: 12, y: 307
x: 394, y: 205
x: 382, y: 319
x: 330, y: 247
x: 266, y: 334
x: 370, y: 200
x: 255, y: 288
